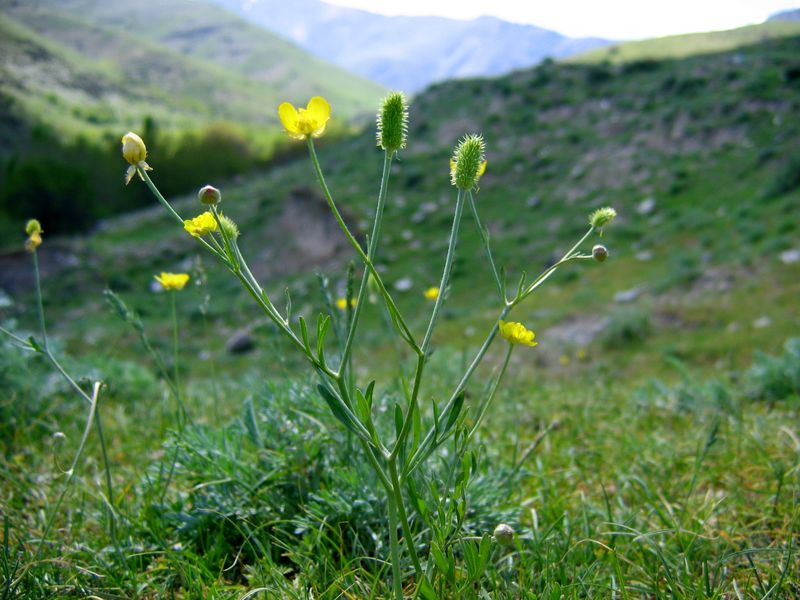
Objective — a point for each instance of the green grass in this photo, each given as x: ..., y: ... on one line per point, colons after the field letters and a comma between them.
x: 673, y: 469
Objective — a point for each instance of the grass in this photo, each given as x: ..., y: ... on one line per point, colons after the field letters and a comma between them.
x: 665, y: 450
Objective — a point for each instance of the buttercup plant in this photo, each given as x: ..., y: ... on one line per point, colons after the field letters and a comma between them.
x: 394, y: 458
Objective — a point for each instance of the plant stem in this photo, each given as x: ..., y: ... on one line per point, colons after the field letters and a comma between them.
x: 397, y: 318
x: 485, y: 406
x: 401, y: 510
x: 39, y: 301
x: 485, y: 237
x: 397, y: 583
x: 372, y: 248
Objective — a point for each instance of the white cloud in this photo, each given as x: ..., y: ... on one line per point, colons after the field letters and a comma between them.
x: 616, y: 19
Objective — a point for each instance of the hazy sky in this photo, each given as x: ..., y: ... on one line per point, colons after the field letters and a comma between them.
x: 615, y: 19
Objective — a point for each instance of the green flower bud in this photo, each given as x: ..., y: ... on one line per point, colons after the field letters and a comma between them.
x: 229, y: 228
x: 602, y: 216
x: 393, y: 122
x: 600, y: 253
x: 209, y: 195
x: 504, y: 535
x: 33, y: 226
x: 468, y: 162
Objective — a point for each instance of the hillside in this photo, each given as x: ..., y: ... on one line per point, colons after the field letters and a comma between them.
x: 409, y: 53
x: 698, y: 155
x: 691, y: 44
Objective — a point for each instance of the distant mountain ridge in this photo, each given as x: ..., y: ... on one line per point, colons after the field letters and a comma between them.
x: 792, y: 14
x: 408, y: 53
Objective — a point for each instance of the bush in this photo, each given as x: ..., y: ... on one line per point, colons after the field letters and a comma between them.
x: 627, y: 326
x: 775, y: 377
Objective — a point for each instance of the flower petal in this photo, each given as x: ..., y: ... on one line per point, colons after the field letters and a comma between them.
x: 289, y: 118
x: 318, y: 112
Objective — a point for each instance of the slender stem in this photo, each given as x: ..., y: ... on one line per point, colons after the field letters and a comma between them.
x: 39, y: 302
x: 143, y: 174
x: 183, y: 416
x: 548, y: 272
x: 485, y: 406
x: 485, y: 237
x: 396, y: 316
x: 372, y: 247
x: 448, y: 266
x: 401, y: 510
x: 397, y: 583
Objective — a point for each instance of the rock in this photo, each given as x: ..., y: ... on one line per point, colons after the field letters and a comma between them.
x: 404, y: 284
x: 533, y: 202
x: 644, y: 255
x: 627, y: 295
x: 5, y: 300
x: 646, y: 206
x: 789, y: 257
x: 762, y: 322
x: 240, y: 342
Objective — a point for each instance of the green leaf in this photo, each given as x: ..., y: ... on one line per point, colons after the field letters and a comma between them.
x: 398, y: 419
x: 304, y: 334
x: 251, y: 423
x: 323, y: 324
x: 337, y: 408
x: 455, y: 411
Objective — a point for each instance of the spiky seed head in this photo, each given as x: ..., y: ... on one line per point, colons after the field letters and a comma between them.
x: 467, y: 161
x: 602, y: 217
x: 230, y: 228
x: 392, y: 132
x: 209, y: 195
x: 504, y: 535
x: 600, y: 253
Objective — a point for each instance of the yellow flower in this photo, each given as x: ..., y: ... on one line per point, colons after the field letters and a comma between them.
x: 432, y: 293
x: 303, y: 122
x: 563, y: 360
x: 134, y: 151
x: 172, y: 281
x: 201, y: 224
x: 341, y: 303
x: 516, y: 333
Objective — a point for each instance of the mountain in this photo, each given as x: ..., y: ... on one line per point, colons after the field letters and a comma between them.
x: 184, y: 62
x: 691, y: 44
x: 408, y: 53
x: 786, y: 15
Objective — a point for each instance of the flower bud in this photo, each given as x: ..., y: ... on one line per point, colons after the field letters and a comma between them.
x: 602, y: 216
x: 600, y: 253
x: 33, y: 226
x: 133, y: 148
x: 504, y: 535
x: 393, y: 122
x: 229, y: 228
x: 209, y: 195
x: 467, y: 164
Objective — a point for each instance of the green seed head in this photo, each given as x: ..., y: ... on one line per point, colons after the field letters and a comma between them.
x: 33, y: 226
x: 393, y: 122
x: 230, y: 228
x: 602, y: 216
x: 467, y: 164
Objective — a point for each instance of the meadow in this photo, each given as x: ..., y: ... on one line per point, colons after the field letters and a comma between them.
x: 646, y: 448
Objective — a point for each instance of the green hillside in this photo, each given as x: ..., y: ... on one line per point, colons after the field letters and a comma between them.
x: 646, y: 448
x: 691, y: 44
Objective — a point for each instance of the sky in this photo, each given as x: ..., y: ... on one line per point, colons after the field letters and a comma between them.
x: 613, y: 19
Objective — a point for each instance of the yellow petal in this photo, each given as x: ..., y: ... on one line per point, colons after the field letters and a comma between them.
x: 482, y: 169
x: 289, y: 118
x: 318, y: 111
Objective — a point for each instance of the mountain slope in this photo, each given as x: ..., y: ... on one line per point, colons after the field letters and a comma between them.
x: 691, y: 44
x: 408, y: 53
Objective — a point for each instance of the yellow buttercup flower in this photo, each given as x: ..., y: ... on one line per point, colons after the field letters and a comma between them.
x: 517, y: 333
x: 172, y: 281
x: 303, y: 122
x: 432, y: 293
x: 201, y: 224
x: 341, y: 303
x: 134, y: 151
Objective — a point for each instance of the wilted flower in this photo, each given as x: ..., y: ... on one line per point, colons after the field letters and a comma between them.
x: 34, y: 230
x: 135, y: 152
x: 209, y: 195
x: 516, y: 333
x: 393, y: 122
x: 600, y: 253
x: 303, y: 122
x: 432, y: 293
x: 504, y: 535
x: 201, y: 224
x: 172, y: 281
